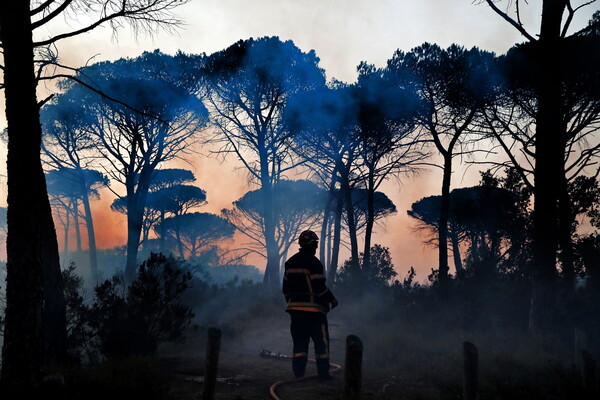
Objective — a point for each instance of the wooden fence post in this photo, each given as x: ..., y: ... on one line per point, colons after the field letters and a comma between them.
x: 213, y: 346
x: 471, y: 371
x: 353, y: 367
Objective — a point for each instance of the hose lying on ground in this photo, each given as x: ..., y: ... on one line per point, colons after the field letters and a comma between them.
x: 276, y: 385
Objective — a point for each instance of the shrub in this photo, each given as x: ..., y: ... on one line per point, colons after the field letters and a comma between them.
x: 379, y: 273
x: 123, y: 320
x: 79, y: 332
x: 148, y: 312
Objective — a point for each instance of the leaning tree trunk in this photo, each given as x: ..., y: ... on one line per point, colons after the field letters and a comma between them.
x: 548, y: 158
x: 34, y: 285
x: 89, y: 223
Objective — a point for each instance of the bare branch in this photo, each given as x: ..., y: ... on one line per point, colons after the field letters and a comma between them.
x: 509, y: 153
x: 47, y: 99
x: 155, y: 12
x: 41, y: 7
x: 511, y: 21
x: 572, y: 12
x: 101, y: 93
x: 591, y: 27
x: 51, y: 15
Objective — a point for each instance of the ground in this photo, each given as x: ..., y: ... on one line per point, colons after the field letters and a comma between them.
x: 244, y: 375
x: 399, y: 362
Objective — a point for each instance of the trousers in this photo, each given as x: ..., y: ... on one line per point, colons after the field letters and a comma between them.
x: 306, y: 325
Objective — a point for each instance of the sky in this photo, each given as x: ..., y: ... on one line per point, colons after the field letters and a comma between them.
x: 343, y: 33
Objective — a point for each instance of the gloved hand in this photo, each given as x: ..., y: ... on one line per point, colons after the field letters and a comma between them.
x: 334, y: 303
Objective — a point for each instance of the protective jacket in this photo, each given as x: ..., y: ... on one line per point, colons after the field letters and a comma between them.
x: 304, y: 283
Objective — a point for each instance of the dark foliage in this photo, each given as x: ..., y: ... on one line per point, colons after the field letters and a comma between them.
x: 379, y: 274
x: 124, y: 321
x: 79, y: 332
x: 148, y: 312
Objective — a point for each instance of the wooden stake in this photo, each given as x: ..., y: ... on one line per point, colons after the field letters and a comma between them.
x: 212, y: 363
x: 353, y: 368
x: 471, y: 371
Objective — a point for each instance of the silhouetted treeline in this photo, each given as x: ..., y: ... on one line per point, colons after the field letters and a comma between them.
x: 268, y: 104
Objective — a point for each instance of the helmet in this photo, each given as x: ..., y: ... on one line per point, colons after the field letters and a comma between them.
x: 307, y: 237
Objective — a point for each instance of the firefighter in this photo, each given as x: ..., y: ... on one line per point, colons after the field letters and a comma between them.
x: 308, y: 301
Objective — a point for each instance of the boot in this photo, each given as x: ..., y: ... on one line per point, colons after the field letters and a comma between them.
x: 323, y: 369
x: 299, y: 366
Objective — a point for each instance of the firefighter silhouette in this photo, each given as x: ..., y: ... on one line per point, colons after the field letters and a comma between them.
x: 308, y: 301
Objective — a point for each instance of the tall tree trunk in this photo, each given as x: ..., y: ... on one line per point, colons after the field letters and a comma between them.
x: 590, y: 255
x: 327, y: 215
x: 179, y: 241
x: 548, y: 157
x: 565, y: 240
x: 283, y: 258
x: 443, y: 221
x: 271, y: 277
x: 89, y: 223
x: 347, y: 192
x: 162, y: 244
x: 75, y: 209
x: 370, y: 222
x: 134, y: 229
x: 136, y: 204
x: 34, y: 286
x: 145, y: 236
x: 337, y: 235
x: 456, y: 254
x: 327, y: 259
x: 325, y: 222
x: 66, y: 236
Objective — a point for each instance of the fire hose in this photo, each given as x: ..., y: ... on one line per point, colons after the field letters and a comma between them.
x: 276, y: 385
